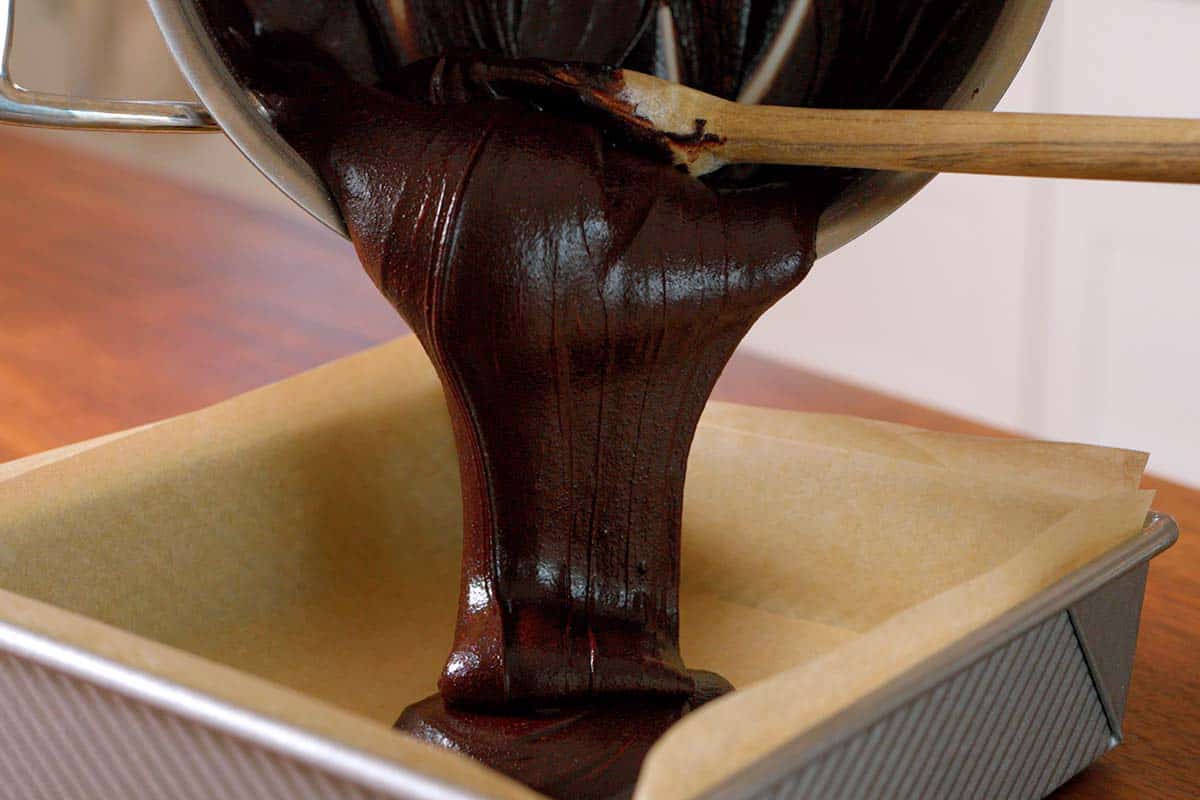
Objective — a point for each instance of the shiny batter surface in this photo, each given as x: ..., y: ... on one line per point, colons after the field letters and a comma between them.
x: 579, y: 301
x: 578, y: 296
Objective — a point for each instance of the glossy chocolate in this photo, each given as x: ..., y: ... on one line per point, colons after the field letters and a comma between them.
x: 581, y: 752
x: 579, y: 301
x: 578, y: 296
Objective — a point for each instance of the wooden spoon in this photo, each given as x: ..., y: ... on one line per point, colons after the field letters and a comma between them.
x: 704, y: 132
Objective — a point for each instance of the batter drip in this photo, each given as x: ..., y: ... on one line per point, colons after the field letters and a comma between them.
x: 578, y: 296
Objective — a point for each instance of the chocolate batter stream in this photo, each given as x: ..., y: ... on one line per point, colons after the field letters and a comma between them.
x: 579, y: 298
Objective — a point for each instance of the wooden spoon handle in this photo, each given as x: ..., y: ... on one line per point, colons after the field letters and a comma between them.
x: 705, y: 132
x: 1049, y: 145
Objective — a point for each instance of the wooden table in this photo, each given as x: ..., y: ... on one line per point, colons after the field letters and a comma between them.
x: 126, y: 298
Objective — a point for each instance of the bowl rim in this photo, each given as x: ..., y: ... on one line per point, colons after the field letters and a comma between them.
x: 243, y: 119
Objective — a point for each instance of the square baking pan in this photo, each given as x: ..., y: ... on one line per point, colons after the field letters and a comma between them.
x: 1013, y: 710
x: 1010, y: 711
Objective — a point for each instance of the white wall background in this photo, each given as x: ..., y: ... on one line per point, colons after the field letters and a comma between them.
x: 1063, y: 309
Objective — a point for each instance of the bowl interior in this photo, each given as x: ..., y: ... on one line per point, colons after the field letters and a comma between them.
x: 924, y: 54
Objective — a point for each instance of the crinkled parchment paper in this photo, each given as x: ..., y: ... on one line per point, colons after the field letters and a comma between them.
x: 295, y: 550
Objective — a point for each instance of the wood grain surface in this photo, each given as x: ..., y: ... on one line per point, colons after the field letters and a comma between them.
x: 980, y: 142
x: 126, y: 298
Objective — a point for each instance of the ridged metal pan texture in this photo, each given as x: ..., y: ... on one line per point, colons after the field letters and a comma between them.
x: 1016, y: 724
x: 1011, y: 712
x: 63, y: 738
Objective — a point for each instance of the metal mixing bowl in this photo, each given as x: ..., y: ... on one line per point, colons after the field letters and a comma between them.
x: 227, y: 106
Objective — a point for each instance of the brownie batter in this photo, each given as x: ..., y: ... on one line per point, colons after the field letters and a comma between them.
x: 578, y: 296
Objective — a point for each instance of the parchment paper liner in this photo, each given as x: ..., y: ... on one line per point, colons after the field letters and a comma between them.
x: 305, y: 538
